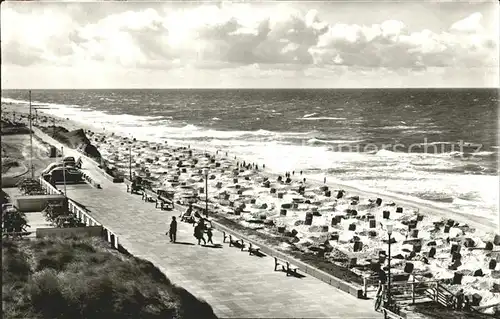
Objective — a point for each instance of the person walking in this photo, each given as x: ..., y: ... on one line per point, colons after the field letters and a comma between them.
x: 198, y: 232
x: 209, y: 236
x: 459, y: 299
x: 173, y: 230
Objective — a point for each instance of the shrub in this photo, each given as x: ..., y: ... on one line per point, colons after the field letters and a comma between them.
x: 13, y: 221
x: 15, y: 266
x: 81, y: 278
x: 45, y: 293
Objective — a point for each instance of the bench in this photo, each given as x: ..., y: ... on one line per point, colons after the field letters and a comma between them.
x: 225, y: 236
x: 164, y: 203
x: 285, y: 266
x: 253, y: 249
x: 234, y: 241
x: 136, y: 189
x: 148, y: 198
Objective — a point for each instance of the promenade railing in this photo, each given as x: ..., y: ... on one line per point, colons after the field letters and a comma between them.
x: 81, y: 212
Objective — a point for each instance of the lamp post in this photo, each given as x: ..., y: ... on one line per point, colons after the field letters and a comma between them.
x: 31, y: 142
x: 389, y: 233
x: 63, y: 170
x: 130, y: 160
x: 205, y: 173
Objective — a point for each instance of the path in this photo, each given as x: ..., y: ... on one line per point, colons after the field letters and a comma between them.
x: 232, y: 282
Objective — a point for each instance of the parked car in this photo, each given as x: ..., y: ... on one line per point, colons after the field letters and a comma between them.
x: 50, y: 167
x: 69, y: 161
x: 60, y: 174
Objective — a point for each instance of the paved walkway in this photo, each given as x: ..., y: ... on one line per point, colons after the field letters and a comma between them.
x: 235, y: 284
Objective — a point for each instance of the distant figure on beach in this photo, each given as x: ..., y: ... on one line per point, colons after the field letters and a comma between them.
x: 300, y: 172
x: 173, y: 230
x: 293, y: 172
x: 263, y: 165
x: 324, y: 180
x: 198, y: 232
x: 304, y: 179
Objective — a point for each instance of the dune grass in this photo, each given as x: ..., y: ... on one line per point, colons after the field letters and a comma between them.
x: 82, y: 278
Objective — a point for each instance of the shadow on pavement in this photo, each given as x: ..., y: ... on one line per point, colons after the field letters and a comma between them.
x: 183, y: 243
x: 213, y: 246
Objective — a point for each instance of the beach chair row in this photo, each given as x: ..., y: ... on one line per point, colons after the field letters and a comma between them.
x: 279, y: 264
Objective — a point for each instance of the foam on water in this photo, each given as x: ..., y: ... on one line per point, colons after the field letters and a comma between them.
x: 320, y: 118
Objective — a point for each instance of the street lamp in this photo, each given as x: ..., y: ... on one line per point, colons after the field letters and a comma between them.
x: 205, y: 173
x: 389, y: 232
x: 130, y: 160
x: 64, y: 169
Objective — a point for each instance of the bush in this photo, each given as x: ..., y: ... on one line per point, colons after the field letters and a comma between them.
x: 13, y: 221
x: 81, y: 278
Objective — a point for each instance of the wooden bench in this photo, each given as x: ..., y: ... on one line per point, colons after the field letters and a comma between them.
x: 225, y: 236
x: 285, y: 266
x: 136, y: 189
x: 164, y: 203
x: 253, y: 249
x: 149, y: 196
x: 234, y: 241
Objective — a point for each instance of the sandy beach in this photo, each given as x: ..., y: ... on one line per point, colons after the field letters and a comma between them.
x: 353, y: 221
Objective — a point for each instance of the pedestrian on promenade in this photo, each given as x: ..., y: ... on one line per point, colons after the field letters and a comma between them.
x: 381, y: 288
x: 459, y: 299
x: 198, y: 232
x: 173, y: 230
x: 209, y: 235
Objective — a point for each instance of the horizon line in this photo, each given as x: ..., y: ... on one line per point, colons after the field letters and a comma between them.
x: 263, y: 88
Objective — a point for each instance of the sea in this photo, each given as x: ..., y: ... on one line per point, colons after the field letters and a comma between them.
x: 436, y: 145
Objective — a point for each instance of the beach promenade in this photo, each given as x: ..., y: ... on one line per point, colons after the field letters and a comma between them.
x: 235, y: 284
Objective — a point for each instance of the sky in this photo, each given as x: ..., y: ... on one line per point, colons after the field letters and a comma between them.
x: 309, y: 44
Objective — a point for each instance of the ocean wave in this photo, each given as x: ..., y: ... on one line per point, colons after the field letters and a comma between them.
x: 190, y: 127
x: 470, y: 168
x: 321, y: 141
x: 37, y: 103
x: 309, y: 115
x: 215, y: 118
x: 434, y: 196
x: 8, y: 100
x: 436, y: 143
x: 387, y: 153
x: 483, y: 153
x: 320, y: 118
x: 397, y: 127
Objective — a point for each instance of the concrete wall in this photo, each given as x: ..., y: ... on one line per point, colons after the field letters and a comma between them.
x: 35, y: 203
x: 91, y: 231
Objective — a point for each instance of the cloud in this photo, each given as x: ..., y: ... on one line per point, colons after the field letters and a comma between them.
x: 237, y: 35
x: 470, y: 24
